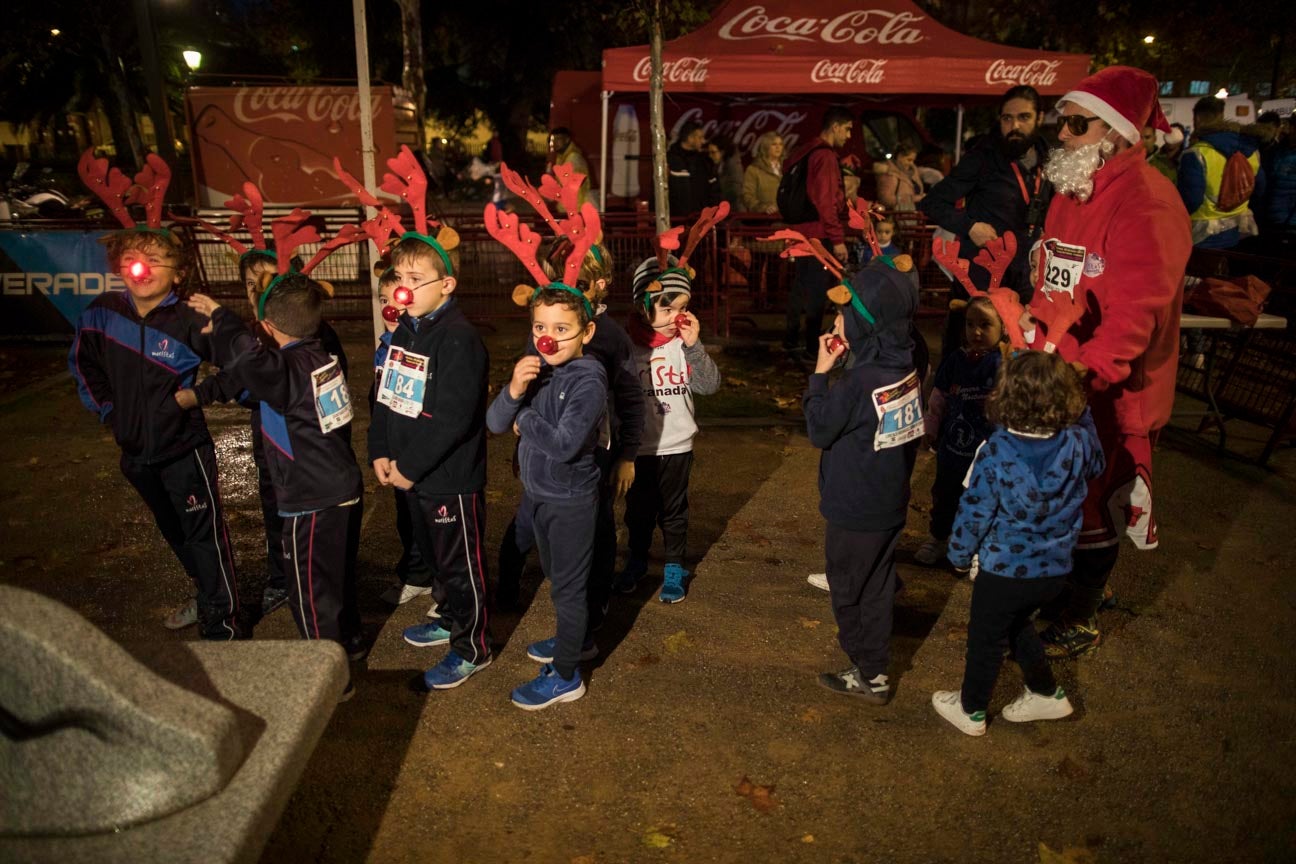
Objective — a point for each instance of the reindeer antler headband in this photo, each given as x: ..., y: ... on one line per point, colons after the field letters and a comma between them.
x: 994, y: 257
x: 798, y: 246
x: 248, y: 207
x: 406, y: 179
x: 117, y: 191
x: 582, y: 229
x: 668, y: 241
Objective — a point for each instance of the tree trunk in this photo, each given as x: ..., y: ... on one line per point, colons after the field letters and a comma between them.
x: 657, y: 124
x: 117, y: 105
x: 412, y: 71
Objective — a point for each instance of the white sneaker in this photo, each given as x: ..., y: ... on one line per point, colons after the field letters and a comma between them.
x: 185, y: 616
x: 1033, y: 706
x: 975, y: 568
x: 400, y: 593
x: 433, y: 613
x: 818, y: 580
x: 949, y: 704
x: 931, y: 552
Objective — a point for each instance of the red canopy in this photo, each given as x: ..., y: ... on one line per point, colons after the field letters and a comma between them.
x: 839, y: 46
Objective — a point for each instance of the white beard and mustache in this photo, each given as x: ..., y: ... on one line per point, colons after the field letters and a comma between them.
x: 1071, y: 171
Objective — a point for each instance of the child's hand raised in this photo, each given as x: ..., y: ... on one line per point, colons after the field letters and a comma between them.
x: 689, y: 328
x: 831, y: 349
x: 204, y: 305
x: 186, y: 399
x: 524, y: 373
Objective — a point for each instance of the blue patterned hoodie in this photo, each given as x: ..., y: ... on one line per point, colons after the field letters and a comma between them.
x: 1021, y: 511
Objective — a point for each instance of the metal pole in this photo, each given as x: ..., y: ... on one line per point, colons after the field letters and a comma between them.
x: 366, y: 144
x: 657, y: 121
x: 603, y: 153
x: 958, y: 135
x: 153, y: 75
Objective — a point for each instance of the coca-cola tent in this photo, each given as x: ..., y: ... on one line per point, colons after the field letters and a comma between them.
x: 857, y: 47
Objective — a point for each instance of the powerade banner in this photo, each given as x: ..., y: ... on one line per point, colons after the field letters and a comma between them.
x: 48, y: 278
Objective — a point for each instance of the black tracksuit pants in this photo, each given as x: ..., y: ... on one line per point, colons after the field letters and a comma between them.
x: 519, y: 538
x: 862, y: 583
x: 411, y: 569
x: 659, y: 496
x: 1001, y: 615
x: 185, y: 499
x: 451, y: 531
x: 810, y: 286
x: 947, y: 490
x: 564, y: 535
x: 274, y: 523
x: 320, y: 555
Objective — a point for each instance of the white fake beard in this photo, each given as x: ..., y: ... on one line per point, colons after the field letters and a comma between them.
x: 1071, y: 171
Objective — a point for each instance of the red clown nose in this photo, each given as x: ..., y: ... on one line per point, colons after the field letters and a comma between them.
x: 681, y: 320
x: 391, y: 314
x: 403, y: 295
x: 138, y: 270
x: 547, y: 345
x: 835, y: 344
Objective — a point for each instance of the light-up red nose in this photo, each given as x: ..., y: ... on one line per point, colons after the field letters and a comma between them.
x: 835, y: 344
x: 391, y: 314
x: 547, y: 345
x: 138, y: 270
x: 403, y: 295
x: 681, y: 320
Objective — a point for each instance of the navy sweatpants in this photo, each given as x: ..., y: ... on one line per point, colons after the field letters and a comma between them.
x: 185, y: 499
x: 320, y: 553
x: 564, y: 534
x: 862, y: 583
x: 450, y: 531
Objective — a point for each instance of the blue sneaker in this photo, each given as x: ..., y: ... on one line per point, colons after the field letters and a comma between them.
x: 428, y: 634
x: 547, y: 688
x: 673, y: 584
x: 543, y: 651
x: 451, y: 672
x: 627, y: 581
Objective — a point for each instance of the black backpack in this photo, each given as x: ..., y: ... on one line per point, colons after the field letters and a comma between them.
x: 794, y: 203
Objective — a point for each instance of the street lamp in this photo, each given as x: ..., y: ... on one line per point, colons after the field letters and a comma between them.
x: 1222, y: 94
x: 193, y: 59
x: 1149, y: 39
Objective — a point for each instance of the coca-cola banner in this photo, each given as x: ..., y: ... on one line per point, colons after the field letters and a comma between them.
x: 839, y: 46
x: 283, y: 139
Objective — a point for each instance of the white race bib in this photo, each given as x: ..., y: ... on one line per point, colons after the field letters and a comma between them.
x: 404, y: 382
x: 1063, y: 266
x: 332, y: 398
x: 899, y: 410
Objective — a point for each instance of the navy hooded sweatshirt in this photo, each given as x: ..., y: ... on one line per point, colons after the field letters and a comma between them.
x: 558, y: 417
x: 862, y: 488
x: 1022, y: 509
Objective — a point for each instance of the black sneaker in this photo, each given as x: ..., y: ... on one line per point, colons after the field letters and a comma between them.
x: 357, y: 648
x: 850, y: 682
x: 272, y: 599
x: 1071, y: 639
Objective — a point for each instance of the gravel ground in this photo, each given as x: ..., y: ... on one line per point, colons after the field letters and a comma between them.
x: 703, y: 736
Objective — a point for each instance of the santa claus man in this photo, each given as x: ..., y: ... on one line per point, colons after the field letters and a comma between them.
x: 1115, y: 243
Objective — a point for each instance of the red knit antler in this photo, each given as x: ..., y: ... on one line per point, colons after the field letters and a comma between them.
x: 667, y: 242
x: 248, y: 209
x: 996, y: 256
x: 946, y: 253
x: 347, y: 235
x: 150, y: 189
x: 109, y: 184
x: 860, y: 217
x: 406, y: 179
x: 583, y: 230
x: 800, y: 247
x: 510, y: 230
x: 383, y: 225
x: 565, y: 189
x: 522, y: 188
x: 291, y: 232
x: 230, y: 240
x: 706, y: 220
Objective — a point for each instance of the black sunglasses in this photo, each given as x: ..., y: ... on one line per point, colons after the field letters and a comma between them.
x: 1078, y: 124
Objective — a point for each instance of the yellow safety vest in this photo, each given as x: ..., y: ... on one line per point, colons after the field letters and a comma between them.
x: 1209, y: 219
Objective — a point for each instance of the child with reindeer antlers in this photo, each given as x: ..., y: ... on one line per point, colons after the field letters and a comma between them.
x: 555, y: 403
x: 867, y: 425
x: 305, y: 408
x: 428, y: 433
x: 672, y: 365
x: 254, y: 263
x: 619, y: 435
x: 133, y: 350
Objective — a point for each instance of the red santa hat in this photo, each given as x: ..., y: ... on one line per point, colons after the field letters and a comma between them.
x: 1123, y: 97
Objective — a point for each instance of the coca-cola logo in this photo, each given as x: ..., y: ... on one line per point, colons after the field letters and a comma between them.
x: 1036, y: 73
x: 313, y: 104
x: 681, y: 70
x: 846, y: 72
x: 858, y: 26
x: 744, y: 132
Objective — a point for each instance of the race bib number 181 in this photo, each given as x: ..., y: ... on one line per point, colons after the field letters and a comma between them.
x: 899, y: 410
x: 332, y: 398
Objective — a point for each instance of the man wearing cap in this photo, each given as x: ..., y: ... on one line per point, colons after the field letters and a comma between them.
x: 1116, y: 239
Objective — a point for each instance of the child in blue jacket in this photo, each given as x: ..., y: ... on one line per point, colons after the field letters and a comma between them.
x: 1021, y: 514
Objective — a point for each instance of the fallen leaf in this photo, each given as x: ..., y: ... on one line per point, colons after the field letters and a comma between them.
x: 809, y: 838
x: 654, y: 838
x: 677, y: 642
x: 735, y: 382
x: 785, y: 402
x: 761, y: 797
x: 811, y: 715
x: 809, y: 623
x: 957, y: 633
x: 1068, y: 855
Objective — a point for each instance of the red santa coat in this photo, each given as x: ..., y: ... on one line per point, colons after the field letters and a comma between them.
x: 1123, y: 253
